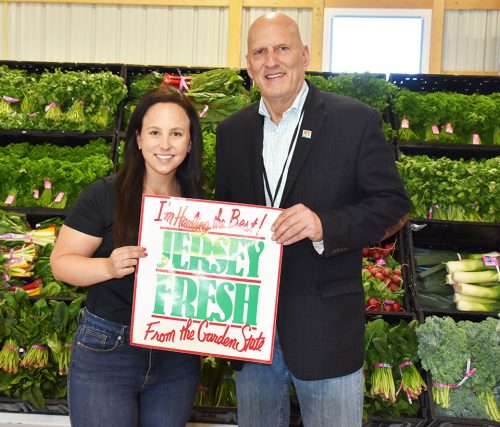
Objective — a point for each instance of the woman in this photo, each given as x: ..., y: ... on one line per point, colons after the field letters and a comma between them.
x: 111, y: 383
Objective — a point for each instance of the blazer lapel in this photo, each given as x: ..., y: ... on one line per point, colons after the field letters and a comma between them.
x: 255, y: 137
x: 308, y: 132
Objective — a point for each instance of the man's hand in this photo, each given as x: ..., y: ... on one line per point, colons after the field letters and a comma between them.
x: 297, y: 223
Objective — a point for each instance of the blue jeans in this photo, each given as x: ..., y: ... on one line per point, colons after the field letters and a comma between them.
x: 263, y: 396
x: 114, y: 384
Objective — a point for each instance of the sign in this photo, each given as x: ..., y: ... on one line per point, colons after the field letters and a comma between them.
x: 210, y: 282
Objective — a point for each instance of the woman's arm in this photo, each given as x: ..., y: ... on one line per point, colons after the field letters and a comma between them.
x: 71, y: 260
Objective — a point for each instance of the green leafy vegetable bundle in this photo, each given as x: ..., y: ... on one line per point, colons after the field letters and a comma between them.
x: 216, y: 93
x: 35, y: 353
x: 25, y: 257
x: 467, y: 115
x: 28, y: 170
x: 217, y: 384
x: 454, y: 190
x: 209, y: 162
x: 462, y: 358
x: 366, y: 87
x: 393, y: 384
x: 80, y: 101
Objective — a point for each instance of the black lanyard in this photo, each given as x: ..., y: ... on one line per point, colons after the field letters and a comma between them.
x: 272, y: 198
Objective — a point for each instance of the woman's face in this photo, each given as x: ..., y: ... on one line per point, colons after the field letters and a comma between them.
x: 164, y: 139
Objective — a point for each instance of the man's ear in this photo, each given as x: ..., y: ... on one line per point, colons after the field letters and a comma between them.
x: 307, y: 57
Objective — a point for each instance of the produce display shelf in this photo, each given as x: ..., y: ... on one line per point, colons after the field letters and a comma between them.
x: 452, y: 151
x: 61, y: 138
x: 446, y: 83
x: 38, y: 136
x: 396, y: 422
x: 35, y: 215
x: 53, y: 406
x: 456, y: 422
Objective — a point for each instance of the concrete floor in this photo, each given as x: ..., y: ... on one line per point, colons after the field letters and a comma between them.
x: 36, y: 420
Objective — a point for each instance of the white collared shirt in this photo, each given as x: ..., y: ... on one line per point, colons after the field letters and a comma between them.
x: 277, y: 139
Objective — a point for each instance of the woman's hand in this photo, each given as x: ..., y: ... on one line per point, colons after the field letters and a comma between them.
x: 72, y: 259
x: 122, y: 261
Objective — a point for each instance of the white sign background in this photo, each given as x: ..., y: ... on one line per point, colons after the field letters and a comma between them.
x: 245, y: 226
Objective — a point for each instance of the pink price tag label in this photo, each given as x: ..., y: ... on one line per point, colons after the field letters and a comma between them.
x: 10, y: 199
x: 49, y: 106
x: 47, y: 184
x: 405, y: 123
x: 449, y: 128
x: 36, y: 193
x: 381, y: 261
x: 490, y: 261
x: 204, y: 111
x: 435, y: 130
x: 476, y: 140
x: 9, y: 99
x: 59, y: 197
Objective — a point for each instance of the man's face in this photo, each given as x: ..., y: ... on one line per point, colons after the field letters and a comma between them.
x: 277, y: 59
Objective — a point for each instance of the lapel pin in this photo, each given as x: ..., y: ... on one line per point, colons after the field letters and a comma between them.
x: 306, y: 134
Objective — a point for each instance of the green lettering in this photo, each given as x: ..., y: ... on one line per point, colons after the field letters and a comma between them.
x: 224, y: 302
x: 204, y: 297
x: 254, y: 252
x: 185, y: 292
x: 248, y: 299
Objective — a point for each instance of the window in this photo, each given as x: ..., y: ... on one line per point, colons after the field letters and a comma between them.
x: 376, y: 40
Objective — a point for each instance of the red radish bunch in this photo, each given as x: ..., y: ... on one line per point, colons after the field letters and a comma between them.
x: 378, y: 252
x: 389, y: 276
x: 382, y: 280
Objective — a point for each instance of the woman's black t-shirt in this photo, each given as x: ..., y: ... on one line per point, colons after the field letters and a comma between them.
x: 93, y: 214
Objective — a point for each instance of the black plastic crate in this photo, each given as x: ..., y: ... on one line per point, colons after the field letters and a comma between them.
x: 446, y: 83
x: 400, y: 255
x: 52, y: 406
x: 400, y: 422
x: 36, y: 215
x: 218, y: 415
x: 452, y: 151
x: 444, y: 421
x: 448, y: 236
x: 459, y: 423
x: 456, y: 235
x: 70, y: 139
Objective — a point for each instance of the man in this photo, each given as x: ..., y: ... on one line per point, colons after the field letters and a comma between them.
x: 324, y: 160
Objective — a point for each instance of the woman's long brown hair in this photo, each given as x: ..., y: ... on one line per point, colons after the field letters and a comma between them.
x: 130, y: 179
